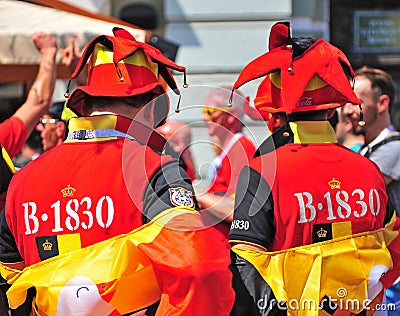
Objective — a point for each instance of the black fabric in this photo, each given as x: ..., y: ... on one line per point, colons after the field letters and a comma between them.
x: 6, y: 174
x: 8, y: 246
x: 56, y: 109
x: 253, y: 217
x: 322, y: 232
x: 170, y: 151
x: 47, y: 246
x: 4, y: 286
x: 389, y: 212
x: 254, y: 296
x: 381, y: 143
x: 301, y: 44
x: 26, y: 307
x: 280, y: 137
x: 157, y: 197
x: 390, y: 209
x: 328, y: 306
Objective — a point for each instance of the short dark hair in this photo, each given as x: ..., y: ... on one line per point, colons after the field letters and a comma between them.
x: 381, y: 82
x: 56, y: 109
x: 104, y: 102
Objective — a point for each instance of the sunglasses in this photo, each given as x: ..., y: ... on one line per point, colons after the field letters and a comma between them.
x: 209, y: 111
x: 45, y: 121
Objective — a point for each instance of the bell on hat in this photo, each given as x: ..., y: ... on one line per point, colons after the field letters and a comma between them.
x: 301, y: 74
x: 120, y: 66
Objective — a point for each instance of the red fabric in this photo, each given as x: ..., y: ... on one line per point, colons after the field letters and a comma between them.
x: 320, y: 59
x: 226, y: 179
x: 119, y: 78
x: 12, y: 135
x: 391, y: 276
x: 137, y: 80
x: 297, y: 170
x: 190, y: 169
x: 94, y: 177
x: 236, y: 158
x: 194, y: 262
x: 280, y: 35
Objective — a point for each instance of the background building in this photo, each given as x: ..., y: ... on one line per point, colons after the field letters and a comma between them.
x: 215, y: 39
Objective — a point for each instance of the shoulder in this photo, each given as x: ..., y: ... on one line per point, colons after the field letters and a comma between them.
x: 246, y: 142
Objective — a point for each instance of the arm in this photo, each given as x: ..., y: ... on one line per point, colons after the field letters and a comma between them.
x: 218, y: 206
x: 252, y: 227
x: 9, y: 253
x: 41, y: 93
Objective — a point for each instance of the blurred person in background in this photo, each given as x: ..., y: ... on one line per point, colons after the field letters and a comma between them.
x: 224, y: 122
x: 345, y: 133
x: 15, y: 131
x: 179, y: 138
x: 53, y: 130
x: 376, y: 90
x: 30, y: 150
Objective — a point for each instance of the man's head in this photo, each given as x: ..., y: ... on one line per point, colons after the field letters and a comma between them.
x: 121, y: 68
x: 376, y: 90
x: 52, y: 129
x: 305, y: 77
x: 178, y: 135
x: 220, y: 115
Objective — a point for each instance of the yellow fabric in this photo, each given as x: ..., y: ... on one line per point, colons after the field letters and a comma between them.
x: 315, y: 83
x: 8, y: 160
x: 341, y: 229
x: 115, y: 273
x: 344, y: 269
x: 92, y: 123
x: 67, y: 114
x: 104, y: 55
x: 68, y: 242
x: 311, y: 132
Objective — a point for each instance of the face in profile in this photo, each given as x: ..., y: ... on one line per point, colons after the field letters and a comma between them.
x: 51, y: 131
x: 364, y: 92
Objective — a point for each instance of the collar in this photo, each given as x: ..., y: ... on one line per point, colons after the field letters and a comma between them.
x: 313, y: 132
x: 92, y: 128
x: 382, y: 135
x: 228, y: 146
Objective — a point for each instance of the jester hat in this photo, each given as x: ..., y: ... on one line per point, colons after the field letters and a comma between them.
x: 300, y: 75
x: 120, y: 66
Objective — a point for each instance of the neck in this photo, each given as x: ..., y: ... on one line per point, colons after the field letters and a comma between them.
x: 226, y: 138
x: 376, y: 128
x: 122, y: 111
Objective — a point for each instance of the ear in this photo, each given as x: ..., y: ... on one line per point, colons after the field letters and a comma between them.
x: 60, y: 129
x: 234, y: 113
x: 383, y: 103
x: 148, y: 112
x: 331, y: 112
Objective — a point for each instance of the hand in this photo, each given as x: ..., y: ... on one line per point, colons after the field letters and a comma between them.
x: 45, y: 42
x: 70, y: 55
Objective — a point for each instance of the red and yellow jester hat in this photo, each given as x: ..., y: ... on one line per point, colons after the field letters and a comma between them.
x: 120, y: 66
x: 299, y: 78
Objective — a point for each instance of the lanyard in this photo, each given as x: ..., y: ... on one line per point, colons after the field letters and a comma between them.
x: 97, y: 133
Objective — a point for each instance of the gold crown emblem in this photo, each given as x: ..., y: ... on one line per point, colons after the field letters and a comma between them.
x: 47, y: 245
x: 334, y: 184
x: 68, y: 191
x: 322, y: 233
